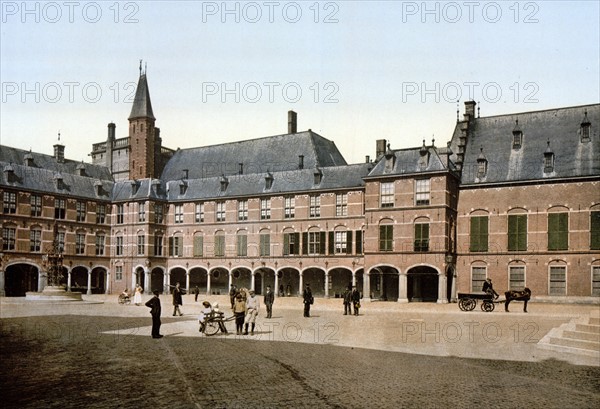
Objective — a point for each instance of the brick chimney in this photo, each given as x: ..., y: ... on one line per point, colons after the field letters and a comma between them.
x: 292, y: 122
x: 380, y: 147
x: 469, y: 110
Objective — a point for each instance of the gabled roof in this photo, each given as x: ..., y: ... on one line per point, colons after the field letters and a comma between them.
x: 274, y: 153
x: 426, y: 159
x: 493, y: 136
x: 142, y: 107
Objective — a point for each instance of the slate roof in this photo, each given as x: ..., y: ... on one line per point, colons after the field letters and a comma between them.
x: 493, y: 137
x: 142, y: 107
x: 426, y: 159
x: 274, y: 153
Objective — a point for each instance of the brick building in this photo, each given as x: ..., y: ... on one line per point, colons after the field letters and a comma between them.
x: 513, y: 197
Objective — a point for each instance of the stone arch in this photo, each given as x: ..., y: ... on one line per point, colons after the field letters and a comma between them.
x: 423, y: 284
x: 157, y: 280
x: 315, y: 276
x: 219, y: 280
x: 384, y: 283
x: 289, y: 278
x: 20, y: 278
x: 339, y: 279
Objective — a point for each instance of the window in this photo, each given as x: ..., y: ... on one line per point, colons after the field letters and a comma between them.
x: 198, y: 246
x: 141, y: 212
x: 516, y: 278
x: 341, y: 204
x: 36, y: 205
x: 35, y: 241
x: 242, y: 244
x: 517, y: 232
x: 421, y: 237
x: 341, y: 242
x: 595, y: 230
x: 158, y: 245
x: 199, y: 213
x: 291, y: 243
x: 100, y: 244
x: 220, y: 245
x: 80, y: 243
x: 359, y: 242
x: 265, y: 244
x: 478, y: 276
x: 479, y: 233
x: 314, y: 243
x: 315, y: 206
x: 290, y: 207
x: 141, y: 244
x: 100, y: 213
x: 120, y: 214
x: 242, y: 210
x: 176, y: 246
x: 119, y: 246
x: 119, y: 273
x: 596, y: 281
x: 386, y: 192
x: 10, y: 202
x: 159, y: 213
x: 178, y: 213
x: 422, y: 187
x: 60, y: 208
x: 558, y: 280
x: 558, y: 231
x: 8, y: 238
x: 265, y: 209
x: 81, y: 211
x: 220, y: 211
x: 61, y: 242
x: 386, y: 237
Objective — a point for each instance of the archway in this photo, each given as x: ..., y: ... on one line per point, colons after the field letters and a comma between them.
x: 339, y: 280
x: 140, y: 277
x: 177, y: 276
x: 99, y: 280
x: 19, y: 279
x: 266, y: 277
x: 157, y: 280
x: 316, y: 278
x: 384, y: 283
x: 219, y: 281
x: 241, y: 278
x: 422, y: 284
x: 79, y: 276
x: 198, y: 278
x: 289, y: 278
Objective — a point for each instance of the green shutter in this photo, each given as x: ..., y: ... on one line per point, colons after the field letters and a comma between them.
x: 171, y: 248
x: 517, y: 232
x: 304, y: 243
x: 286, y: 244
x: 479, y: 233
x: 198, y: 246
x: 595, y: 231
x: 322, y: 246
x: 331, y: 243
x: 558, y: 231
x: 349, y: 242
x: 359, y: 249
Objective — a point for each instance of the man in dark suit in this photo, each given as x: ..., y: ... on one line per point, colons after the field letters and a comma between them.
x: 177, y: 300
x: 489, y: 288
x: 269, y: 299
x: 355, y: 299
x: 308, y: 300
x: 154, y: 305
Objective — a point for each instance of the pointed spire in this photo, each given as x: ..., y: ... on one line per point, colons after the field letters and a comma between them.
x: 142, y: 107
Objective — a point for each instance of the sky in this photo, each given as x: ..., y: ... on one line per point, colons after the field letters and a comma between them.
x: 354, y: 71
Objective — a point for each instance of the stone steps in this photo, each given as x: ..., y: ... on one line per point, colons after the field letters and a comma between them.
x: 580, y: 336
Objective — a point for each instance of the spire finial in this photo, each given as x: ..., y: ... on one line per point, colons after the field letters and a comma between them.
x: 478, y: 107
x: 145, y: 67
x: 433, y: 140
x: 140, y: 68
x: 457, y: 110
x: 59, y: 135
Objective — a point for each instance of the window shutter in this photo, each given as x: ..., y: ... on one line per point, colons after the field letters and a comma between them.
x: 349, y: 242
x: 304, y: 243
x: 331, y: 242
x: 286, y: 244
x: 359, y: 249
x: 171, y: 248
x: 322, y: 247
x: 595, y: 231
x: 198, y: 246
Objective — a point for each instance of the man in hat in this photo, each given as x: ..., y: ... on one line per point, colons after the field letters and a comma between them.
x: 232, y: 293
x: 154, y: 305
x: 488, y: 288
x: 269, y: 299
x: 252, y: 307
x: 308, y: 300
x: 177, y: 300
x: 355, y: 296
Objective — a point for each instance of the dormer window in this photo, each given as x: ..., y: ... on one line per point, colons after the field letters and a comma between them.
x: 423, y: 156
x: 224, y: 183
x: 185, y: 173
x: 482, y: 164
x: 98, y: 187
x: 268, y: 181
x: 182, y: 187
x: 586, y: 127
x: 134, y: 187
x: 548, y: 160
x: 390, y: 160
x: 58, y: 181
x: 81, y: 169
x: 9, y: 173
x: 517, y: 136
x: 28, y: 159
x: 317, y: 176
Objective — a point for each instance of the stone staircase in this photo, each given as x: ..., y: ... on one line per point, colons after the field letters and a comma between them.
x: 580, y: 336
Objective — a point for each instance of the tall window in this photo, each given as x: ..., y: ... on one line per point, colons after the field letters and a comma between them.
x: 291, y: 243
x: 100, y: 244
x: 341, y: 242
x: 35, y: 241
x: 36, y: 205
x: 220, y: 211
x: 10, y: 202
x: 341, y: 204
x: 558, y: 280
x: 199, y: 213
x: 176, y: 246
x: 517, y: 232
x: 81, y: 211
x: 558, y: 231
x: 119, y: 246
x: 421, y: 237
x: 80, y: 243
x: 315, y: 206
x: 596, y: 281
x: 386, y: 192
x: 118, y: 273
x: 141, y: 244
x: 120, y: 214
x: 220, y: 245
x: 8, y: 238
x: 386, y: 237
x: 242, y: 210
x: 100, y: 213
x: 198, y: 246
x: 178, y: 213
x: 478, y: 275
x: 141, y: 212
x: 242, y: 244
x: 479, y: 233
x: 60, y: 208
x: 159, y: 213
x: 265, y: 244
x: 265, y: 209
x: 422, y: 192
x: 595, y: 230
x: 516, y: 279
x: 315, y: 243
x: 290, y: 207
x: 158, y: 245
x: 61, y: 242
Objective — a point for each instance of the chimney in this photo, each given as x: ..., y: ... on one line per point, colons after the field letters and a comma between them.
x: 241, y: 171
x: 469, y: 110
x: 59, y: 153
x: 184, y: 173
x: 300, y: 161
x: 111, y: 131
x: 292, y: 122
x: 367, y: 159
x: 380, y: 147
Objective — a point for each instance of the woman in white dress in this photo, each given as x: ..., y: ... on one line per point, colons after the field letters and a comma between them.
x: 137, y: 298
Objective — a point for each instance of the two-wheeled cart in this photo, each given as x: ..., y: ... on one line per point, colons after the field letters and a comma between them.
x: 468, y: 301
x: 214, y: 322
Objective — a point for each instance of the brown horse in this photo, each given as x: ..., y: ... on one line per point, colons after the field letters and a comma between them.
x: 523, y: 295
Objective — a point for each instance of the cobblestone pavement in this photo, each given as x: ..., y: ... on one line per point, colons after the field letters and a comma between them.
x: 101, y: 355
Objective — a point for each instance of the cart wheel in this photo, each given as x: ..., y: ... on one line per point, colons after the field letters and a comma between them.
x: 470, y: 304
x: 487, y: 306
x: 211, y: 328
x: 461, y: 304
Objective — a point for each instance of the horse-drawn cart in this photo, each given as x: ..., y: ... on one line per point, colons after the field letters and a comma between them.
x: 468, y: 301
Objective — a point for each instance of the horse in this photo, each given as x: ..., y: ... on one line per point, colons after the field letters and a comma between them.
x: 513, y: 295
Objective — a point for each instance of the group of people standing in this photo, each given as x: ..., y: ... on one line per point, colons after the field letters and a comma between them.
x: 351, y: 299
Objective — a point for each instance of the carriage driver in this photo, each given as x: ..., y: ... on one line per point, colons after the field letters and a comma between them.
x: 489, y: 289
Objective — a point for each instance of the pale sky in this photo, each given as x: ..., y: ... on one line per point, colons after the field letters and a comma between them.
x: 354, y: 71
